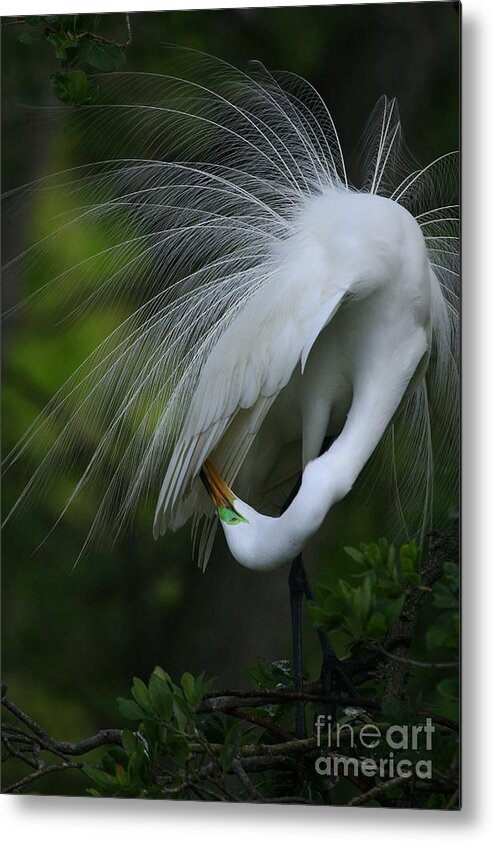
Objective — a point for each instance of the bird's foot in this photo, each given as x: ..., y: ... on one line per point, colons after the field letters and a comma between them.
x: 333, y: 666
x: 336, y: 667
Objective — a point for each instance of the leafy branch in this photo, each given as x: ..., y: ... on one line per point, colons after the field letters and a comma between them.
x: 188, y: 740
x: 76, y: 42
x: 218, y: 759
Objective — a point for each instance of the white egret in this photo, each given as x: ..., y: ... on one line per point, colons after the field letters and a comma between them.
x: 357, y: 320
x: 270, y: 307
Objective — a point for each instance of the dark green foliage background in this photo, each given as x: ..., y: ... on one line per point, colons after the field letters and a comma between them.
x: 72, y: 639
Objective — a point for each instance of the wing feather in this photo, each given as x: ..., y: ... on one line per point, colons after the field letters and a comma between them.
x: 240, y: 380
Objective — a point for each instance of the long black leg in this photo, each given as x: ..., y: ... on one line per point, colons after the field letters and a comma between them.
x: 296, y: 593
x: 330, y: 661
x: 299, y: 587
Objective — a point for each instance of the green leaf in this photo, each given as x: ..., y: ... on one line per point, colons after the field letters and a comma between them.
x: 188, y: 684
x: 129, y: 709
x: 99, y: 776
x: 78, y: 87
x: 129, y: 741
x: 366, y: 597
x: 451, y: 570
x: 355, y: 554
x: 373, y: 553
x: 72, y: 87
x: 444, y: 599
x: 229, y: 747
x: 61, y: 45
x: 444, y: 632
x: 141, y: 694
x: 377, y: 625
x: 199, y: 689
x: 104, y: 57
x: 409, y: 557
x: 121, y: 775
x: 449, y: 689
x: 162, y: 674
x: 58, y: 84
x: 117, y: 755
x: 413, y: 579
x: 181, y: 710
x: 319, y: 617
x: 138, y: 766
x: 160, y: 695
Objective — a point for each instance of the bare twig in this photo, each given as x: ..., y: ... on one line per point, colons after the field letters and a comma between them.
x: 20, y: 755
x: 451, y: 803
x: 108, y: 41
x: 225, y: 700
x: 19, y: 786
x: 129, y: 32
x: 374, y: 792
x: 410, y: 662
x: 99, y: 38
x: 245, y: 780
x: 109, y: 736
x: 261, y: 722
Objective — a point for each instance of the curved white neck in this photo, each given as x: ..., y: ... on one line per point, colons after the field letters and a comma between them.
x: 265, y: 543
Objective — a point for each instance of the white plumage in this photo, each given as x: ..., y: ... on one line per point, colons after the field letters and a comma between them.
x: 267, y: 298
x: 372, y: 353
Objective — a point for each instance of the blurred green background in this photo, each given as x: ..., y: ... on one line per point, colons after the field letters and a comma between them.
x: 73, y: 639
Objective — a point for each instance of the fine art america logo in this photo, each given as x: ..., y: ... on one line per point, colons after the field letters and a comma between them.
x: 389, y: 742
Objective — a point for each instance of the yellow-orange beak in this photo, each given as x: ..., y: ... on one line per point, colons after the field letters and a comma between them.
x: 220, y: 493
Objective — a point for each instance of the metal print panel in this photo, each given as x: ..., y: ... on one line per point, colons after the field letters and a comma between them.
x: 231, y: 399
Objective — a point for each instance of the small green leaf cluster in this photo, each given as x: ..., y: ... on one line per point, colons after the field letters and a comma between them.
x: 274, y: 675
x: 364, y: 611
x: 173, y: 746
x: 165, y: 713
x: 442, y: 636
x: 75, y: 41
x: 444, y: 632
x: 269, y: 675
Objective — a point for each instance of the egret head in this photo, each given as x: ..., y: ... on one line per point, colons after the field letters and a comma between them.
x: 222, y: 497
x: 255, y: 540
x: 242, y: 525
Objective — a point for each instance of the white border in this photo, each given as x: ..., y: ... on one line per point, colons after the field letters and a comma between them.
x: 56, y: 818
